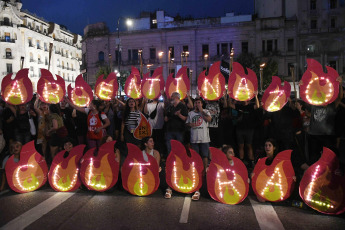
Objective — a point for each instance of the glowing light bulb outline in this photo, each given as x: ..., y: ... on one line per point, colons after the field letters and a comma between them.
x: 86, y: 98
x: 15, y: 87
x: 16, y: 172
x: 91, y: 176
x: 176, y: 178
x: 151, y: 83
x: 132, y: 85
x: 215, y: 90
x: 312, y: 184
x: 56, y: 184
x: 54, y: 94
x: 328, y: 96
x: 103, y: 87
x: 243, y: 86
x: 141, y: 177
x: 230, y: 182
x: 272, y: 107
x: 271, y: 183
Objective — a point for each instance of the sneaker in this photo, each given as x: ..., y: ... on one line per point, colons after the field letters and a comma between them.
x: 196, y: 196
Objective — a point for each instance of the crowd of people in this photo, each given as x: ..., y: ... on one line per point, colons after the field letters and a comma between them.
x: 241, y: 129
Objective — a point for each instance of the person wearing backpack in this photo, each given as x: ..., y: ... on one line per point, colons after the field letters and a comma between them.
x: 97, y: 122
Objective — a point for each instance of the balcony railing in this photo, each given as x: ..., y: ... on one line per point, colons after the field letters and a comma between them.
x: 32, y: 60
x: 38, y: 47
x: 40, y: 62
x: 7, y: 40
x: 8, y: 57
x: 3, y: 23
x: 57, y: 52
x: 58, y: 66
x: 30, y: 45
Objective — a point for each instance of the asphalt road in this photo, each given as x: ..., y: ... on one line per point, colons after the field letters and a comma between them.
x: 117, y: 209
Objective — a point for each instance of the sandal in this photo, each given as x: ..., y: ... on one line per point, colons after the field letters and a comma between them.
x: 168, y: 193
x: 196, y: 196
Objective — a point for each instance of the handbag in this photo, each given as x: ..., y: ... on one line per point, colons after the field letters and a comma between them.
x: 154, y: 113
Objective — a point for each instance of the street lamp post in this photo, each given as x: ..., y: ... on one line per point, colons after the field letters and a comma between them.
x: 262, y: 66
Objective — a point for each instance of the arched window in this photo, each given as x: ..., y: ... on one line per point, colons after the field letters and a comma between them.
x: 101, y: 56
x: 31, y: 57
x: 39, y: 59
x: 58, y: 62
x: 67, y: 65
x: 63, y: 65
x: 8, y: 53
x: 6, y: 21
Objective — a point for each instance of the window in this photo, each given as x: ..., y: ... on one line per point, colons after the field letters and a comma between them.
x: 313, y: 24
x: 204, y: 50
x: 8, y: 53
x: 290, y: 44
x: 172, y: 52
x: 269, y: 45
x: 332, y: 4
x: 39, y: 59
x: 311, y: 48
x: 152, y: 53
x: 7, y: 37
x: 244, y: 47
x: 46, y: 61
x: 9, y: 68
x: 117, y: 56
x: 31, y: 57
x: 38, y: 44
x: 30, y: 42
x: 63, y: 64
x: 218, y: 53
x: 275, y: 44
x: 332, y: 22
x: 135, y: 55
x: 313, y: 4
x: 263, y: 45
x: 333, y: 64
x: 45, y: 47
x: 129, y: 55
x: 185, y: 48
x: 6, y: 22
x: 224, y: 49
x: 101, y: 56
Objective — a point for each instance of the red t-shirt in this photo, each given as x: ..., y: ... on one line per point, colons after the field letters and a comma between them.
x: 94, y: 122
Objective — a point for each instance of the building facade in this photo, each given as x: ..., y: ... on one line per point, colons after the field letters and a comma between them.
x: 284, y: 31
x: 25, y: 35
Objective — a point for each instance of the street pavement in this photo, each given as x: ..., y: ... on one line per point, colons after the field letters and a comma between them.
x: 117, y: 209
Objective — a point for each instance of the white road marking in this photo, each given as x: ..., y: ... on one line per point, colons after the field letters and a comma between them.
x: 185, y: 210
x: 4, y: 192
x: 37, y: 212
x: 266, y: 216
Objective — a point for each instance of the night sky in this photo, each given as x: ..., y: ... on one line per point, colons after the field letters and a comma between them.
x: 76, y: 14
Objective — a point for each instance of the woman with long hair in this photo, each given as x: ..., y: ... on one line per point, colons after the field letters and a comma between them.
x: 130, y: 121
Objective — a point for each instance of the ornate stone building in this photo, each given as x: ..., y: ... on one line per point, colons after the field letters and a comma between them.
x: 285, y: 31
x: 26, y: 35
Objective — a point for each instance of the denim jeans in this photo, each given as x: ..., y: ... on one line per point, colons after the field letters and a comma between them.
x: 173, y: 136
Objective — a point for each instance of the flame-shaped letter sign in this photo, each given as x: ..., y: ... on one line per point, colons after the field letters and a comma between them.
x: 151, y: 87
x: 183, y: 173
x: 276, y: 95
x: 51, y: 91
x: 143, y: 129
x: 227, y: 183
x: 274, y: 182
x: 321, y: 188
x: 212, y: 86
x: 139, y: 176
x: 180, y: 83
x: 82, y: 94
x: 105, y: 89
x: 17, y: 91
x: 30, y: 173
x: 133, y: 84
x: 319, y: 88
x: 241, y: 86
x: 64, y: 172
x: 100, y: 172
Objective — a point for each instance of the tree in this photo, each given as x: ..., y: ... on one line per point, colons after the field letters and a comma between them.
x: 248, y: 60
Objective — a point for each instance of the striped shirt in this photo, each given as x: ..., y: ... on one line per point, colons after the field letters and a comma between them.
x: 132, y: 121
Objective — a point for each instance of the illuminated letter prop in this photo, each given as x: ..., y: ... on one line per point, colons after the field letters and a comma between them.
x: 321, y: 188
x: 183, y: 173
x: 105, y: 89
x: 212, y: 86
x: 17, y: 91
x: 276, y: 95
x: 30, y: 173
x: 82, y: 94
x: 241, y: 86
x: 274, y: 182
x: 180, y: 83
x: 139, y: 177
x: 51, y: 91
x: 64, y: 172
x: 227, y: 183
x: 319, y: 88
x: 151, y: 87
x: 100, y: 173
x: 133, y: 84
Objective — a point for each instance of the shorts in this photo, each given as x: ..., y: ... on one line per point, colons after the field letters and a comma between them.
x: 201, y: 148
x: 244, y: 136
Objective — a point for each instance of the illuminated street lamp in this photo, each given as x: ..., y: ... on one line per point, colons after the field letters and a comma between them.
x: 205, y: 58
